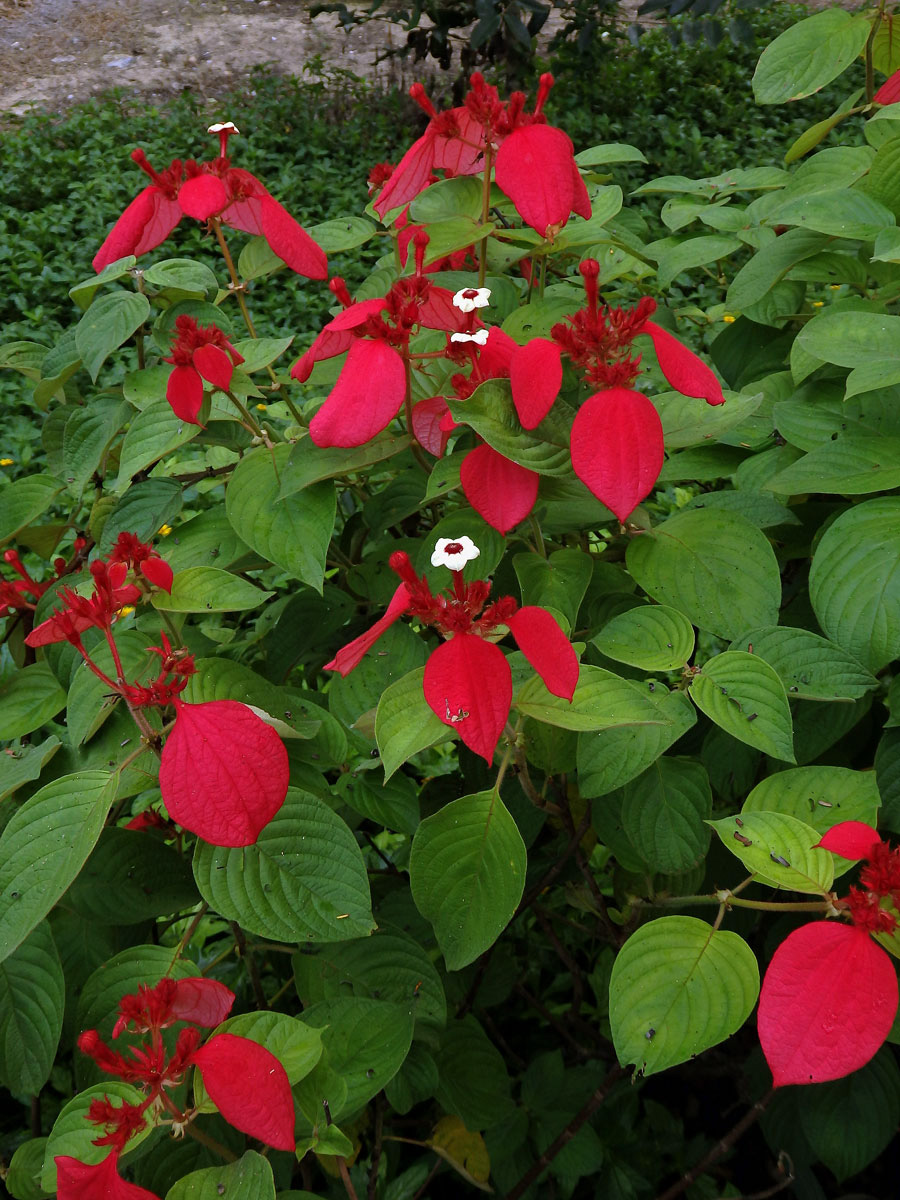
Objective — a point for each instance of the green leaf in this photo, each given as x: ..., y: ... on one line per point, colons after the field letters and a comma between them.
x: 446, y: 237
x: 686, y: 422
x: 257, y: 260
x: 851, y: 1121
x: 153, y: 434
x: 25, y: 764
x: 293, y: 533
x: 250, y: 1178
x: 843, y: 213
x: 207, y: 589
x: 694, y: 252
x: 260, y: 352
x: 491, y: 413
x: 182, y: 273
x: 83, y: 293
x: 394, y: 804
x: 25, y: 499
x: 652, y: 637
x: 601, y: 700
x: 73, y: 1135
x: 297, y: 1046
x: 147, y: 877
x: 121, y: 975
x: 770, y: 264
x: 32, y: 998
x: 304, y: 879
x: 143, y: 511
x: 664, y: 813
x: 810, y: 54
x: 713, y: 566
x: 609, y: 152
x: 779, y: 849
x: 609, y: 758
x: 467, y: 874
x: 678, y: 986
x: 23, y: 1180
x: 44, y: 846
x: 473, y: 1083
x: 404, y: 722
x: 400, y: 650
x: 743, y: 695
x: 854, y: 581
x: 30, y: 698
x: 308, y: 463
x: 558, y: 581
x: 342, y: 233
x: 820, y: 797
x: 87, y: 433
x: 108, y: 323
x: 758, y: 508
x: 205, y: 540
x: 809, y: 666
x: 606, y: 203
x: 365, y: 1043
x: 389, y: 965
x: 460, y: 196
x: 855, y: 339
x: 89, y: 701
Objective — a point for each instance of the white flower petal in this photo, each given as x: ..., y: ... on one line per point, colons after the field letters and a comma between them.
x: 220, y: 126
x: 454, y: 552
x: 468, y: 299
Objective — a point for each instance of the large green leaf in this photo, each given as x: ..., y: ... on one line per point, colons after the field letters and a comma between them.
x: 713, y: 566
x: 44, y: 846
x: 24, y: 500
x: 122, y: 975
x: 154, y: 432
x: 852, y: 465
x: 73, y: 1135
x: 87, y: 433
x: 808, y: 55
x: 820, y: 797
x: 297, y: 1047
x: 687, y: 422
x: 473, y: 1080
x: 28, y: 699
x: 365, y: 1043
x: 250, y: 1178
x: 558, y: 581
x: 308, y: 463
x: 743, y: 695
x: 399, y: 651
x: 32, y: 998
x: 304, y: 879
x: 293, y: 533
x: 694, y: 252
x: 601, y: 700
x: 143, y: 510
x: 343, y: 233
x: 108, y: 323
x: 467, y: 874
x: 770, y: 264
x: 491, y: 413
x: 842, y: 212
x: 389, y: 965
x: 854, y: 581
x: 779, y: 849
x: 865, y: 341
x: 610, y: 758
x: 678, y: 986
x: 23, y: 1178
x: 223, y: 679
x: 652, y: 637
x: 24, y: 765
x: 809, y: 666
x: 147, y: 877
x: 208, y: 589
x: 405, y: 723
x: 664, y: 813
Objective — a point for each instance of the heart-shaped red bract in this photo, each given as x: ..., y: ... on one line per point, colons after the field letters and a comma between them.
x: 249, y: 1087
x: 468, y: 684
x: 617, y: 448
x: 224, y: 772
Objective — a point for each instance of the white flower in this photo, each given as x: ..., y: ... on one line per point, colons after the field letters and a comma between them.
x: 480, y: 337
x: 221, y: 126
x: 454, y: 552
x: 468, y: 299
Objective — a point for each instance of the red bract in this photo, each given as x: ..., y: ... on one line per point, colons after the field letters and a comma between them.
x: 198, y: 353
x: 499, y: 490
x: 249, y: 1087
x: 196, y: 1000
x: 827, y: 1003
x: 535, y: 163
x: 25, y: 591
x: 850, y: 839
x: 201, y: 191
x: 223, y: 773
x: 110, y: 595
x: 617, y: 448
x: 100, y: 1181
x: 143, y: 560
x: 535, y: 373
x: 889, y: 92
x: 468, y: 683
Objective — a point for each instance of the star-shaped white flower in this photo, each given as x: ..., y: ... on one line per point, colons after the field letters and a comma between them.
x: 468, y: 299
x: 454, y: 552
x: 221, y: 126
x: 480, y: 337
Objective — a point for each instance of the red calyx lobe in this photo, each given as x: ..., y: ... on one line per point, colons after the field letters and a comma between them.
x: 98, y: 1181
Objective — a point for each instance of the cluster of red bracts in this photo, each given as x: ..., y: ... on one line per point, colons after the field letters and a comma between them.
x: 200, y: 353
x: 248, y: 1085
x: 205, y: 190
x: 468, y: 682
x: 829, y: 997
x: 225, y: 796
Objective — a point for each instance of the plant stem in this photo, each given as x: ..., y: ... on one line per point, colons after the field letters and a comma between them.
x: 720, y: 1149
x: 236, y: 286
x: 535, y: 1171
x: 188, y: 934
x: 245, y: 953
x: 485, y: 211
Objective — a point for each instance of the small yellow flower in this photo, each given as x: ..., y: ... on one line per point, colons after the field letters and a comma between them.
x: 835, y: 287
x: 728, y: 319
x: 817, y: 303
x: 261, y: 407
x: 6, y: 462
x: 124, y: 612
x: 165, y: 530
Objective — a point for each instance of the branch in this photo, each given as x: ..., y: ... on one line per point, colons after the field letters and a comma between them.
x: 537, y: 1169
x: 720, y: 1149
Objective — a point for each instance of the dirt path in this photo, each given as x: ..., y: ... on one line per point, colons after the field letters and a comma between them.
x: 54, y: 53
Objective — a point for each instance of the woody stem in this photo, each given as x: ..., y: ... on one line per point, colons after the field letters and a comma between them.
x: 236, y: 285
x: 245, y: 413
x: 485, y: 211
